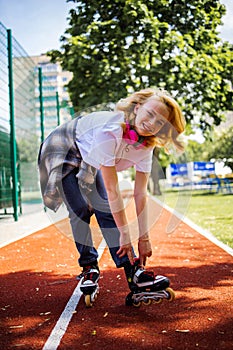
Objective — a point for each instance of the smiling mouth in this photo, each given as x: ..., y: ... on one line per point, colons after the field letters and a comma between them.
x: 147, y: 128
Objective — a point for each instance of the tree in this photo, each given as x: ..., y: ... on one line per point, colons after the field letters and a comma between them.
x: 155, y: 173
x: 222, y: 148
x: 28, y: 148
x: 194, y: 152
x: 114, y: 47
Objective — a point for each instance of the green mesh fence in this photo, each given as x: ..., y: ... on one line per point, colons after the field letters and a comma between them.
x: 24, y: 76
x: 17, y: 106
x: 31, y: 106
x: 5, y: 141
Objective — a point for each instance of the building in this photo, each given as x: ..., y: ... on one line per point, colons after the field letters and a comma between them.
x: 54, y: 81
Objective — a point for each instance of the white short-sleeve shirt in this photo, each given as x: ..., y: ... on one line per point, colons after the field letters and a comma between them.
x: 99, y: 139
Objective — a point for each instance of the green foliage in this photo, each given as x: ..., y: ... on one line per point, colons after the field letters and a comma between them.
x: 222, y: 147
x: 114, y: 47
x: 28, y: 148
x: 194, y: 151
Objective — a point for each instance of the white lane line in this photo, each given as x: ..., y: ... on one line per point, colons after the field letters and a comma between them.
x: 60, y: 328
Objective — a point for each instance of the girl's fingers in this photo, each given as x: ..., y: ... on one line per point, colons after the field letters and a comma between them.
x: 123, y: 251
x: 143, y: 261
x: 131, y: 256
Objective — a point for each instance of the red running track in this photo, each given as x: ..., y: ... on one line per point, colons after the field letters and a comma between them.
x: 38, y: 280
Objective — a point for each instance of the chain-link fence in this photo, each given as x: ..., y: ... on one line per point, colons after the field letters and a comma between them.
x: 29, y: 110
x: 25, y: 117
x: 10, y: 193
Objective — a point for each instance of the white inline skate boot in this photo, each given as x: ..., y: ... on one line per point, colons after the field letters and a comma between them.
x: 89, y: 283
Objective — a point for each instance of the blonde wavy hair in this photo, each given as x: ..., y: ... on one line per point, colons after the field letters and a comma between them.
x: 170, y: 132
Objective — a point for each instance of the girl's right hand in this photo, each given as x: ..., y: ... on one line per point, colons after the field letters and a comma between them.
x: 126, y: 247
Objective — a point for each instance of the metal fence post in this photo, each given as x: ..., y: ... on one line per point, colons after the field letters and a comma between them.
x: 12, y: 128
x: 41, y: 107
x: 58, y: 108
x: 41, y: 104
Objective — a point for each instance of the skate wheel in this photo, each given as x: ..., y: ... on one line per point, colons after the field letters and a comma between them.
x: 147, y: 302
x: 138, y: 304
x: 171, y: 294
x: 88, y: 300
x: 157, y: 301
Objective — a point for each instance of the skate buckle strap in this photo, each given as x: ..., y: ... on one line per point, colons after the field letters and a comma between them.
x: 92, y: 270
x: 137, y: 274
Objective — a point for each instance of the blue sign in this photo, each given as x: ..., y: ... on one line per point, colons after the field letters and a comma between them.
x: 179, y: 169
x: 204, y: 166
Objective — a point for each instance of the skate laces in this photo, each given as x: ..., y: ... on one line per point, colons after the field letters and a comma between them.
x: 88, y: 273
x: 148, y: 274
x: 142, y: 275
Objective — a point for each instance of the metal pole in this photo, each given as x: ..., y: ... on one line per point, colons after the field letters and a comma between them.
x: 58, y: 108
x: 41, y: 104
x: 72, y: 112
x: 15, y: 198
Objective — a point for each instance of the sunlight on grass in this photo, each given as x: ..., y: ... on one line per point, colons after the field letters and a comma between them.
x: 211, y: 211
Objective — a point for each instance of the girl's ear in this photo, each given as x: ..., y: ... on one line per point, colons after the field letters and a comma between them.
x: 136, y: 108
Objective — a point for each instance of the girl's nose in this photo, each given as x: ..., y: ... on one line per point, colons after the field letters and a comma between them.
x: 152, y: 120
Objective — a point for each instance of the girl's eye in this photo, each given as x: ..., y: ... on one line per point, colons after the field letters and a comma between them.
x: 159, y: 122
x: 151, y: 115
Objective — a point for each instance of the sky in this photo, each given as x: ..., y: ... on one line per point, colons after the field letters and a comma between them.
x: 37, y: 25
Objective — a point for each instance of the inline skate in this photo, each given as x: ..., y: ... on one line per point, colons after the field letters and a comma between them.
x: 146, y: 287
x: 89, y: 283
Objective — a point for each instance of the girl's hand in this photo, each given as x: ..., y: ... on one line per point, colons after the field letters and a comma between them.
x: 126, y: 247
x: 144, y: 250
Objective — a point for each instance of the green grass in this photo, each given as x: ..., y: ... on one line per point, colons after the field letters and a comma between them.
x: 211, y: 211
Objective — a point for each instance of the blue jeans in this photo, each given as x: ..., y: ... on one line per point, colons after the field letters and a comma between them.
x: 81, y: 206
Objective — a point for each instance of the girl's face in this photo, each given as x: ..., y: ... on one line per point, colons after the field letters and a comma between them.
x: 150, y: 117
